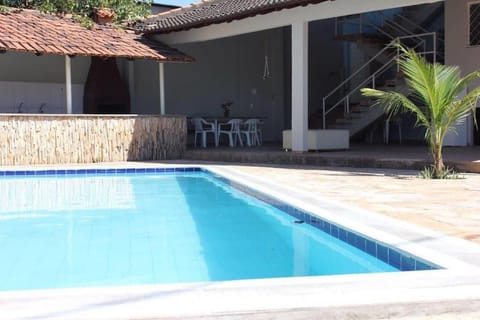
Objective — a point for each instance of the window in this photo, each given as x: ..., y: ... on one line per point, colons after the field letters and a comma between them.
x: 474, y: 24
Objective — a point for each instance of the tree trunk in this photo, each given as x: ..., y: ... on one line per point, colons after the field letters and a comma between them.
x: 438, y: 161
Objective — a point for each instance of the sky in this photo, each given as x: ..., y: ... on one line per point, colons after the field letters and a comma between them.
x: 175, y: 2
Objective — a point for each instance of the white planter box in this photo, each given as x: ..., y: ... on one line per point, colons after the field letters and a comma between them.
x: 330, y: 139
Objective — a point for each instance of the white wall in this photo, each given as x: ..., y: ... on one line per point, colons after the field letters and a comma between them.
x: 458, y: 52
x: 147, y: 98
x: 27, y: 67
x: 33, y: 80
x: 38, y: 97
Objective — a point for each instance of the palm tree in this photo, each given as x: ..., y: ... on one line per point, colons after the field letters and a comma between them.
x: 434, y: 99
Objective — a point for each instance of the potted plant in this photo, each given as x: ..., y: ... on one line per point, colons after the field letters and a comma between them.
x: 104, y: 15
x: 226, y: 108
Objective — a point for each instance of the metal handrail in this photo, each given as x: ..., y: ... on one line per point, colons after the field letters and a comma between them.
x: 416, y: 25
x: 420, y: 41
x: 380, y: 71
x: 378, y: 29
x: 390, y: 22
x: 422, y: 29
x: 372, y: 77
x: 374, y: 58
x: 401, y: 30
x: 369, y: 79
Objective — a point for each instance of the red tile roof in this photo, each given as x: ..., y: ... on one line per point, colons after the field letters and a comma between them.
x: 209, y: 12
x: 32, y: 31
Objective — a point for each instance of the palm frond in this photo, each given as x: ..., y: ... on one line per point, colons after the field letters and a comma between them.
x: 393, y: 102
x: 447, y: 85
x: 463, y: 82
x: 459, y: 110
x: 419, y: 75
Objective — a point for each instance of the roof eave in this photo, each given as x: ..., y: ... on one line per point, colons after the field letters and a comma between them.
x: 240, y: 16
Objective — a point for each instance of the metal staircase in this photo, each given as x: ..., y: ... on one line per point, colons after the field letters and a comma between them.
x: 376, y: 34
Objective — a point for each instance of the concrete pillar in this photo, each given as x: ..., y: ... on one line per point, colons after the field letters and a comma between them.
x: 161, y: 82
x: 458, y: 52
x: 300, y: 86
x: 68, y: 83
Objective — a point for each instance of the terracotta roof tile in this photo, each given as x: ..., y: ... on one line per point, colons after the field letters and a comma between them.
x: 209, y: 12
x: 32, y: 31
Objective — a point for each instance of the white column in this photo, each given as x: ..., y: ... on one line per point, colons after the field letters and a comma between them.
x: 68, y: 83
x: 161, y: 82
x: 300, y: 86
x: 131, y: 83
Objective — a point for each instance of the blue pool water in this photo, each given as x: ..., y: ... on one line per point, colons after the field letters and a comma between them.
x: 90, y: 230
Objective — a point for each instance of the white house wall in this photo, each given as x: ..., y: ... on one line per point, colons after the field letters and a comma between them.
x: 147, y: 97
x: 458, y: 52
x: 27, y: 67
x: 38, y: 97
x: 34, y: 80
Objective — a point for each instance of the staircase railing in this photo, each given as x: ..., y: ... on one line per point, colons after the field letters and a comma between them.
x: 362, y: 23
x: 371, y: 80
x: 382, y: 22
x: 418, y: 28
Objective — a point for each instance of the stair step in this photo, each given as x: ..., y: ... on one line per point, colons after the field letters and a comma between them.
x: 391, y: 83
x: 344, y: 121
x: 361, y: 105
x: 353, y: 116
x: 365, y: 103
x: 338, y: 126
x: 357, y: 112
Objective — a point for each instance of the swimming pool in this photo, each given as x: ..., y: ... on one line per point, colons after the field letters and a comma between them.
x: 104, y: 227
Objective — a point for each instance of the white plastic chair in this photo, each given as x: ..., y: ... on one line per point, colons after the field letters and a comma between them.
x: 397, y: 120
x: 260, y: 131
x: 250, y: 130
x: 232, y: 130
x: 203, y: 127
